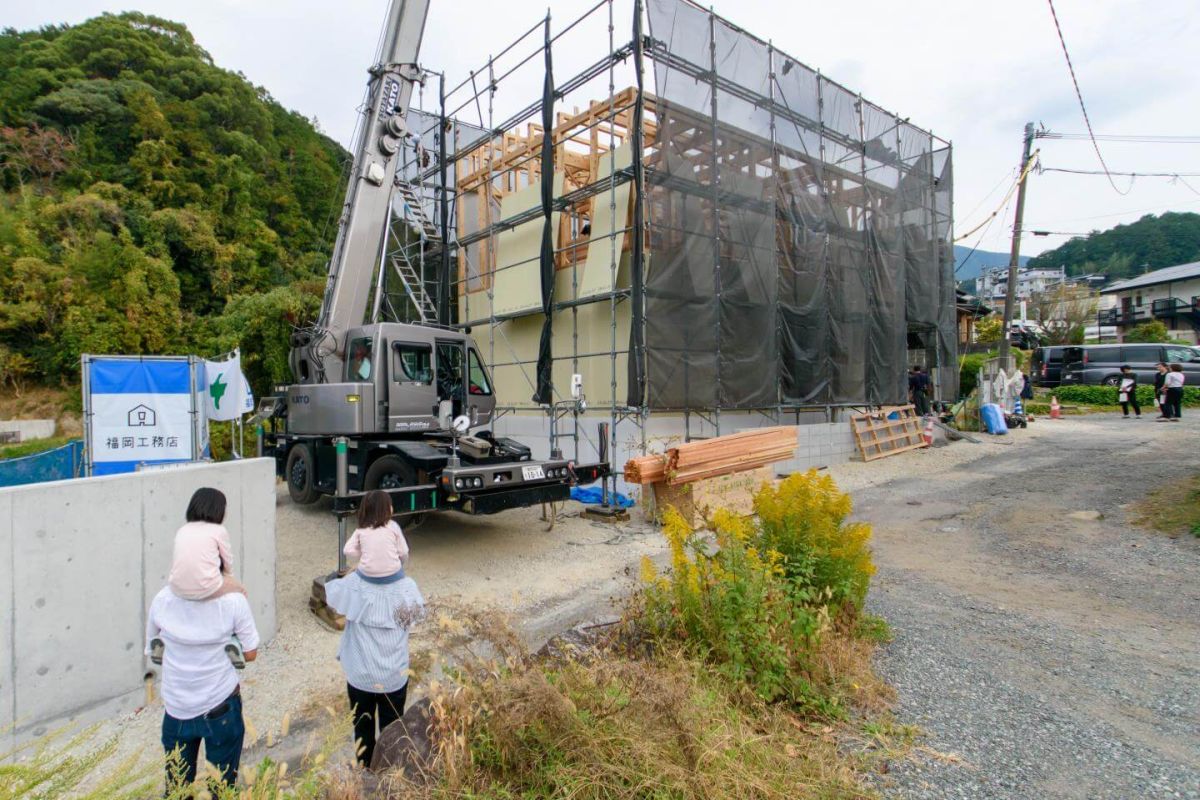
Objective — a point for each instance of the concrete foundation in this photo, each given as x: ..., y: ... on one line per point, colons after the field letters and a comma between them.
x: 818, y: 443
x: 80, y: 561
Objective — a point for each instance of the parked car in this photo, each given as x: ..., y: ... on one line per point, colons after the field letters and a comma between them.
x: 1100, y: 365
x: 1046, y: 365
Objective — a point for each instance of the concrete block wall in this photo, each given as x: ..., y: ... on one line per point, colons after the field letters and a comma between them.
x: 29, y: 429
x: 80, y: 561
x: 818, y: 443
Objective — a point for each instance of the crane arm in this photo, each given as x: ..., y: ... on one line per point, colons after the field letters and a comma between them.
x: 317, y: 352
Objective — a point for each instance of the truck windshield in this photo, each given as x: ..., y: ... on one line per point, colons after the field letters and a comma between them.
x: 358, y: 366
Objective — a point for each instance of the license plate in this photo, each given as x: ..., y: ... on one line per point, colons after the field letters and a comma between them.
x: 533, y: 473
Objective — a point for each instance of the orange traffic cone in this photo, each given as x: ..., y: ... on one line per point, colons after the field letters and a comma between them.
x: 929, y: 431
x: 1055, y: 408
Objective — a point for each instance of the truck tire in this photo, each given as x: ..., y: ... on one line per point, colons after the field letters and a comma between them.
x: 389, y: 472
x: 301, y: 475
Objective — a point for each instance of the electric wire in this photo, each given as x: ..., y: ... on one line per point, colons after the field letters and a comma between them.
x: 1042, y: 169
x: 1024, y: 175
x: 1125, y: 138
x: 982, y: 236
x: 1083, y: 107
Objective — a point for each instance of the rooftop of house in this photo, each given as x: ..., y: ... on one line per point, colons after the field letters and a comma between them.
x: 1181, y: 272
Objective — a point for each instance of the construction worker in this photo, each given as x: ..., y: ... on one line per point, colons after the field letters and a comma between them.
x: 918, y: 390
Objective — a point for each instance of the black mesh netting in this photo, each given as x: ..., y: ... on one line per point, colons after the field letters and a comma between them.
x: 797, y: 233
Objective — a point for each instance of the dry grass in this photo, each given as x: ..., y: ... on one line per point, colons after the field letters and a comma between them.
x: 620, y: 719
x: 1173, y: 509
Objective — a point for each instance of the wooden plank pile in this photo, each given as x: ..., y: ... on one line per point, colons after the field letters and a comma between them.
x: 709, y: 458
x: 878, y: 436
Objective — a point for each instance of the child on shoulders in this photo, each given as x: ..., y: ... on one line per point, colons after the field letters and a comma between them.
x: 378, y: 543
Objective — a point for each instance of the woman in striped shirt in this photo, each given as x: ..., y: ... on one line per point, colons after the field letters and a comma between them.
x: 374, y: 646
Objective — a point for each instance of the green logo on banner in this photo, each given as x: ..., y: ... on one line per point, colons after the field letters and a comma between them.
x: 217, y: 391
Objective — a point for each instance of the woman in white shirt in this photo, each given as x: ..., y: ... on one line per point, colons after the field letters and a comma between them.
x: 1173, y: 389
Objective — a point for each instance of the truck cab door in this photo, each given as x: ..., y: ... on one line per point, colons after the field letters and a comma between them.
x: 481, y: 401
x: 451, y: 375
x: 411, y: 394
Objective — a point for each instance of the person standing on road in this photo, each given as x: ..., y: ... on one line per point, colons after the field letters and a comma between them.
x: 1173, y: 388
x: 1160, y: 399
x: 918, y: 389
x: 1127, y: 392
x: 379, y: 610
x: 201, y: 692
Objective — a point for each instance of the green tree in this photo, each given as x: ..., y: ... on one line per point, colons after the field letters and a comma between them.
x: 989, y: 330
x: 152, y: 202
x: 1152, y: 242
x: 1153, y: 332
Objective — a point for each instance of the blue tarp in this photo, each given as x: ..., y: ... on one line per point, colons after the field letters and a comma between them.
x: 591, y: 495
x: 61, y: 463
x: 993, y: 419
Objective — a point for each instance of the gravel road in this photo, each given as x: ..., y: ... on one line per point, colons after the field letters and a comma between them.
x: 1043, y: 653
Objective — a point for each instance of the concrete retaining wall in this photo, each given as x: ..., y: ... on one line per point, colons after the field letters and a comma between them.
x: 29, y: 429
x: 81, y: 560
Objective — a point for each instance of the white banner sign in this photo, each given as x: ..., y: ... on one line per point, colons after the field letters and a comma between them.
x: 140, y: 411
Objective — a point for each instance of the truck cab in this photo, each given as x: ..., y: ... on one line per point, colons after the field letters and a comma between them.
x: 402, y: 387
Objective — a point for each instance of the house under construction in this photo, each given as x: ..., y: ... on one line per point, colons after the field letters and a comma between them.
x: 712, y: 234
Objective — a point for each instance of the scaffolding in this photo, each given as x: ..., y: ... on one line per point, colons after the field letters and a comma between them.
x: 693, y: 220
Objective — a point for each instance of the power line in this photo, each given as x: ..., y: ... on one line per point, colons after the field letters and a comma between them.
x: 1004, y: 203
x: 1042, y: 169
x: 1082, y: 106
x: 1121, y: 138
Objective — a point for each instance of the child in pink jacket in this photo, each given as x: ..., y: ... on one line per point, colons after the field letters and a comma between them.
x: 378, y: 543
x: 202, y: 564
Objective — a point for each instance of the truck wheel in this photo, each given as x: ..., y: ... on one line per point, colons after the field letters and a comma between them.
x: 301, y: 476
x: 389, y: 472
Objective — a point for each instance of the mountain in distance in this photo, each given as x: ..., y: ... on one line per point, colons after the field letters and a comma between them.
x: 969, y: 265
x: 1150, y: 243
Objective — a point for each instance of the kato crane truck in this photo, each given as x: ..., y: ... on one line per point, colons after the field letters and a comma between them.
x: 396, y: 398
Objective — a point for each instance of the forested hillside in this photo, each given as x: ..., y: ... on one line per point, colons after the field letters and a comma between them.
x: 152, y: 202
x: 1127, y: 250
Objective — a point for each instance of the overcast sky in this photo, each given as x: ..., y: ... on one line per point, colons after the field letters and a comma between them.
x: 972, y: 72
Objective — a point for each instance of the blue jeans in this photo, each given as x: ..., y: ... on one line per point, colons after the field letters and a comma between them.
x: 222, y: 733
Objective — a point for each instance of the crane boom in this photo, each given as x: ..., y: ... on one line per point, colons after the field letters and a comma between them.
x: 316, y: 355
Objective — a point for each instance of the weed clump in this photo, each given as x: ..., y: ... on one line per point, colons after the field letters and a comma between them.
x: 776, y: 596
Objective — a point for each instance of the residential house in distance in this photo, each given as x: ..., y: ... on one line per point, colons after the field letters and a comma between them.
x: 993, y: 282
x: 1170, y: 295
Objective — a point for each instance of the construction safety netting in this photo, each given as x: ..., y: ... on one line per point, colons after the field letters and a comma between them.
x: 799, y: 236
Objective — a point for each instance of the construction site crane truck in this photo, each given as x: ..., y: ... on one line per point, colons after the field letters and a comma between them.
x: 393, y: 402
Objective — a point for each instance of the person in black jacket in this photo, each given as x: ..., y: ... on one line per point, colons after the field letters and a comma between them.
x: 1160, y: 378
x: 1127, y: 392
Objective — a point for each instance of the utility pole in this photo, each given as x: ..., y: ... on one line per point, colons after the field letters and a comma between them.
x: 1015, y: 258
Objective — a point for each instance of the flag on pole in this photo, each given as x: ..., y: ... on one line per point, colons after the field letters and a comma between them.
x: 227, y: 390
x: 248, y: 402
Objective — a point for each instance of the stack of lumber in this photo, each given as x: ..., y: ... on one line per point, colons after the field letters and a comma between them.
x: 724, y: 455
x: 646, y: 469
x: 738, y: 452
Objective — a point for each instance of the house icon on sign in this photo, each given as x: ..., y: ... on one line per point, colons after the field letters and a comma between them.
x: 141, y: 416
